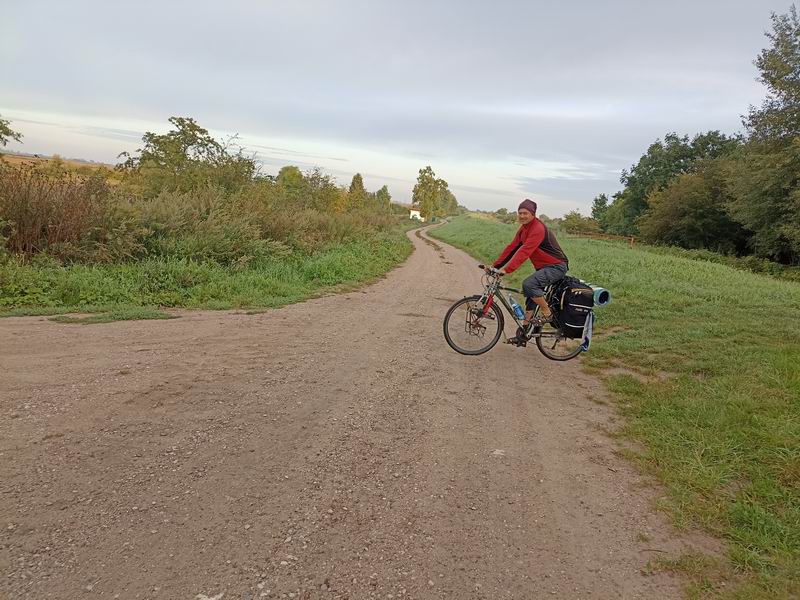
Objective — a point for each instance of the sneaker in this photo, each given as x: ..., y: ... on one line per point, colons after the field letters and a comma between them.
x: 521, y: 339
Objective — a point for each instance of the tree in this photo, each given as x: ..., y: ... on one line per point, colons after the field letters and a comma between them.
x: 341, y: 201
x: 765, y: 180
x: 425, y: 193
x: 548, y: 220
x: 357, y: 192
x: 662, y: 161
x: 617, y: 218
x: 321, y: 191
x: 778, y: 118
x: 574, y: 222
x: 7, y: 134
x: 184, y: 158
x: 691, y: 212
x: 292, y: 184
x: 449, y: 202
x: 600, y: 208
x: 765, y: 189
x: 504, y: 216
x: 384, y: 199
x: 433, y: 196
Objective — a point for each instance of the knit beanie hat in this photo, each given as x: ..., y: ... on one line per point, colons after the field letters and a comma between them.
x: 528, y: 205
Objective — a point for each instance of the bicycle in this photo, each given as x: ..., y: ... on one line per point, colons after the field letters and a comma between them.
x: 477, y: 319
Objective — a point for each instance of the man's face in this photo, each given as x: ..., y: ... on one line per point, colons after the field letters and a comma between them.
x: 525, y: 216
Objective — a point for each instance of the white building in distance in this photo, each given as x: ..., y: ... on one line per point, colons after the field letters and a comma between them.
x: 414, y: 213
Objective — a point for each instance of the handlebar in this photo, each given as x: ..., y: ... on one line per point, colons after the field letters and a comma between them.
x: 491, y: 270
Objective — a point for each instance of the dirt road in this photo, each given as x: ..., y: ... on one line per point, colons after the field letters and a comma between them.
x: 332, y: 449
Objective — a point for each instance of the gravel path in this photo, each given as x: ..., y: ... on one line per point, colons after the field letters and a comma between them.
x: 331, y: 449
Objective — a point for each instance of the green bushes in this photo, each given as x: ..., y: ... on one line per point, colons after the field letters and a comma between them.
x: 186, y: 158
x: 185, y: 196
x: 185, y: 223
x: 63, y: 216
x: 203, y: 225
x: 169, y: 281
x: 89, y: 221
x: 72, y: 244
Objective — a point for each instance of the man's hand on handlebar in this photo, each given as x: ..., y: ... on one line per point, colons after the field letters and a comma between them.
x: 492, y: 270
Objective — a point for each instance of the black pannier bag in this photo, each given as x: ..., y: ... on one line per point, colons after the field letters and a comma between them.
x: 573, y: 302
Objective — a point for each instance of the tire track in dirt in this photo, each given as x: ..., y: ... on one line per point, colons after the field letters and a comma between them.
x: 331, y: 449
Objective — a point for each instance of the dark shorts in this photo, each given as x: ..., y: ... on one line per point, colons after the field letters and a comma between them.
x: 534, y: 285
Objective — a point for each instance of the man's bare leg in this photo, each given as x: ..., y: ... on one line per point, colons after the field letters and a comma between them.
x: 544, y: 308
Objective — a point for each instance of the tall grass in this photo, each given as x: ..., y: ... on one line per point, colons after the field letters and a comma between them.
x: 180, y: 282
x: 705, y: 365
x: 86, y: 220
x: 54, y: 214
x: 80, y: 243
x: 751, y: 263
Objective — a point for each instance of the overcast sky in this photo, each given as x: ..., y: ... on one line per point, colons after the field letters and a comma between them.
x: 505, y: 100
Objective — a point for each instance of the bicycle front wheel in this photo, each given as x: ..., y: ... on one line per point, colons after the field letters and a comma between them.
x: 468, y: 330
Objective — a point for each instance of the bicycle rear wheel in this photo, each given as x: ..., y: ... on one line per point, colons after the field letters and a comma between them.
x: 468, y: 330
x: 558, y: 346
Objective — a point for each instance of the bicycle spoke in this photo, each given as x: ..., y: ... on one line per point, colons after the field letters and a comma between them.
x: 558, y: 347
x: 470, y: 329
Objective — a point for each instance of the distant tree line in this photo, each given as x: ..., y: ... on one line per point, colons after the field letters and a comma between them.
x: 735, y: 194
x: 503, y: 215
x: 567, y: 222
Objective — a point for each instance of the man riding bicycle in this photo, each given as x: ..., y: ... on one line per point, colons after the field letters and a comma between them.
x: 536, y: 242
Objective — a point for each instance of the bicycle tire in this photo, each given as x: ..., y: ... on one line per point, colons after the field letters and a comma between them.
x: 498, y: 316
x: 554, y: 356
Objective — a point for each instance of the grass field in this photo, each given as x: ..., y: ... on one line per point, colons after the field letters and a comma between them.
x: 704, y: 361
x: 19, y: 159
x: 45, y: 287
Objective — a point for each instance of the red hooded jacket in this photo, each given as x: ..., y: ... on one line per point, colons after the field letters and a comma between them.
x: 533, y: 241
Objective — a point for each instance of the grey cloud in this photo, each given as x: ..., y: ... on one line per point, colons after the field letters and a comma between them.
x: 574, y: 193
x: 286, y: 153
x: 124, y: 135
x: 482, y: 191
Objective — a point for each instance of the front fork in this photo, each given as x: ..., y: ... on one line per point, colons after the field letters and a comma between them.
x: 487, y: 304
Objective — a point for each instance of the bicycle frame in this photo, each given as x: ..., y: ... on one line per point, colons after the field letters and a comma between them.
x: 492, y: 292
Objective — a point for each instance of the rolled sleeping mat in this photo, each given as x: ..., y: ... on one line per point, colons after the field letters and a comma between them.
x: 602, y: 296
